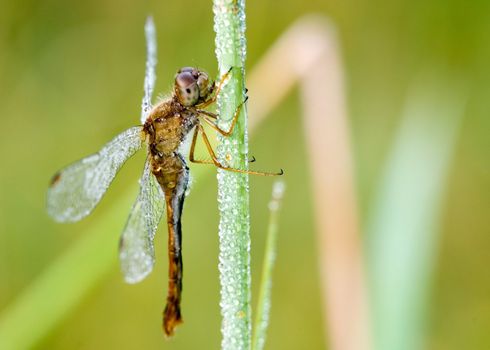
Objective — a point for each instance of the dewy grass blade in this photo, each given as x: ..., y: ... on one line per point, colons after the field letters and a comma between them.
x: 151, y: 62
x: 234, y: 235
x: 264, y: 303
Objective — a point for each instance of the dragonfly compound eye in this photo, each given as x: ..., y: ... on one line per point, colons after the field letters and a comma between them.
x: 187, y: 88
x: 203, y: 83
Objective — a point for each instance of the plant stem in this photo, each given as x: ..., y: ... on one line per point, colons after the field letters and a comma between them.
x: 234, y: 227
x: 264, y: 302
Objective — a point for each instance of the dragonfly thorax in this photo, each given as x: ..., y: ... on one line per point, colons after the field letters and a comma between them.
x: 167, y: 126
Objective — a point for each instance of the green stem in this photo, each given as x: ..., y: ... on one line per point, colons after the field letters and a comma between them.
x: 264, y: 302
x: 234, y: 227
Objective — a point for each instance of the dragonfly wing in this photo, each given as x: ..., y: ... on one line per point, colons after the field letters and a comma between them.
x: 136, y: 251
x: 76, y: 189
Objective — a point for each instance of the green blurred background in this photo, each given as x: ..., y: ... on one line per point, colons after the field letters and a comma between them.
x: 71, y: 77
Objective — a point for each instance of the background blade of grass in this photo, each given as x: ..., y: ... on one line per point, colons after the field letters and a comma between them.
x: 403, y: 227
x: 328, y: 138
x: 57, y: 291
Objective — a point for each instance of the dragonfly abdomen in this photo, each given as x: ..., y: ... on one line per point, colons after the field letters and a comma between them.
x: 172, y: 174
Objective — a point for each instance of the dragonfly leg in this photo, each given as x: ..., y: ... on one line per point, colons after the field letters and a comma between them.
x: 198, y: 161
x: 193, y: 147
x: 215, y: 161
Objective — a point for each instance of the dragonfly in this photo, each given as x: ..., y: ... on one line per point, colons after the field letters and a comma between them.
x: 75, y: 190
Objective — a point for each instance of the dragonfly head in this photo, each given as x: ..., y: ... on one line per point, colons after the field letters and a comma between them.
x: 191, y: 86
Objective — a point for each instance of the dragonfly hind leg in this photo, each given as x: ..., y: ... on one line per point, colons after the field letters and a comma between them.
x: 214, y: 159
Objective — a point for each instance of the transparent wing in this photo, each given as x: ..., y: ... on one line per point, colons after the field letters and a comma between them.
x: 136, y: 251
x: 151, y: 61
x: 76, y: 189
